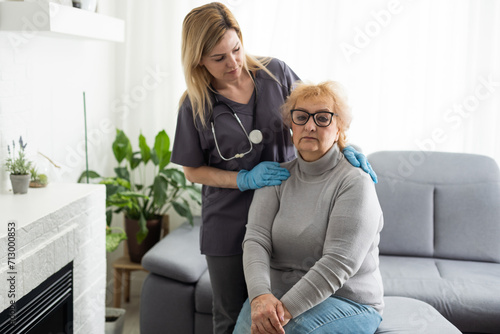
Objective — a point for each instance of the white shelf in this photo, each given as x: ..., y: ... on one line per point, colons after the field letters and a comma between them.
x: 30, y: 18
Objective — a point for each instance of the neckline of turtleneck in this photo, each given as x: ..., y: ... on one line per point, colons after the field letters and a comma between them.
x: 323, y: 164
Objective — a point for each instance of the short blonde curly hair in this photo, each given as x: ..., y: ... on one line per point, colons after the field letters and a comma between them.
x: 326, y: 89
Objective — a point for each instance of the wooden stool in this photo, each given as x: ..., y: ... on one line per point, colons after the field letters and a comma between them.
x: 123, y: 267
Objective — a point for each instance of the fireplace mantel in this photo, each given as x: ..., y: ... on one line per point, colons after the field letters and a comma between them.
x: 54, y: 226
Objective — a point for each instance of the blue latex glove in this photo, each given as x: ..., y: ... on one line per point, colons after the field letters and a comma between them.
x: 358, y: 159
x: 267, y: 173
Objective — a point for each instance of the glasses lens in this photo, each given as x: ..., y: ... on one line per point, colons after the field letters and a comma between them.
x: 323, y: 118
x: 299, y: 117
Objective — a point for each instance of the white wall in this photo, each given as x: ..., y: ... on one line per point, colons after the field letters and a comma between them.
x: 42, y: 80
x: 414, y: 62
x: 414, y: 70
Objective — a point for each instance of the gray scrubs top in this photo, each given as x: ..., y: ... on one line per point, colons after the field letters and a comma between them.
x: 225, y: 211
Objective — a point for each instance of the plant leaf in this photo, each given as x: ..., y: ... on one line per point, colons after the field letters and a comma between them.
x: 182, y: 208
x: 112, y: 189
x: 145, y: 150
x: 109, y: 216
x: 135, y: 161
x: 116, y: 181
x: 143, y: 230
x: 113, y: 240
x: 118, y: 202
x: 176, y: 176
x: 162, y: 149
x: 122, y: 173
x: 131, y: 194
x: 122, y: 149
x: 194, y: 193
x: 154, y: 157
x: 160, y: 187
x: 92, y: 175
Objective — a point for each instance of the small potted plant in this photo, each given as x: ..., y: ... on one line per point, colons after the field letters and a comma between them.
x: 19, y: 167
x: 37, y: 180
x: 143, y: 202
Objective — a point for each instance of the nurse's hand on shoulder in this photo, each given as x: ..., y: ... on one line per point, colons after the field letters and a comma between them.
x: 358, y: 159
x: 267, y: 173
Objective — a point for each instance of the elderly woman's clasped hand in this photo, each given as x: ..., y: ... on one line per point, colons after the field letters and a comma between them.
x: 269, y: 315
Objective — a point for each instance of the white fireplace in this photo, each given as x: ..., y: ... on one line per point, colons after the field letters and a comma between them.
x: 54, y: 226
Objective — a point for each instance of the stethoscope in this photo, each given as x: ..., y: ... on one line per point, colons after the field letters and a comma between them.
x: 255, y: 136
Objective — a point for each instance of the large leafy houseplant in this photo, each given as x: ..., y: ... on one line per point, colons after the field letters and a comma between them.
x: 129, y: 191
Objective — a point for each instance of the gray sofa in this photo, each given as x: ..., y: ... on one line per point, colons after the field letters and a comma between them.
x: 441, y: 236
x: 440, y: 252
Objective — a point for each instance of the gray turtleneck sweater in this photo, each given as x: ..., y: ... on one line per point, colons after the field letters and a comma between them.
x: 315, y: 235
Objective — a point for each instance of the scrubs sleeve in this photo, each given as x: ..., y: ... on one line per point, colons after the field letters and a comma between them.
x: 187, y: 149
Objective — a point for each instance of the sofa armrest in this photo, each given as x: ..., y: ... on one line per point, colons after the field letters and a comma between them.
x: 177, y: 256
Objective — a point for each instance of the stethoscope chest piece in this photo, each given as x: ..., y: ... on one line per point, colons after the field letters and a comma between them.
x: 255, y: 136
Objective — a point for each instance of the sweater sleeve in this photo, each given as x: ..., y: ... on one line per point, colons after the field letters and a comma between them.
x: 257, y: 245
x: 354, y: 223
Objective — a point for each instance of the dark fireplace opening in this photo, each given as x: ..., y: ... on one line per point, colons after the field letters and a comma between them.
x: 48, y: 309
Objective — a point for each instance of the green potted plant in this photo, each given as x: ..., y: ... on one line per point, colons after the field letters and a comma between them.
x: 143, y: 203
x: 19, y: 168
x: 37, y: 180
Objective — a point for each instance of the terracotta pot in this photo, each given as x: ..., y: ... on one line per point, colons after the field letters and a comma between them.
x: 20, y: 183
x: 136, y: 251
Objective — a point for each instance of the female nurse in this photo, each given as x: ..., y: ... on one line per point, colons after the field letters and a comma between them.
x: 230, y: 137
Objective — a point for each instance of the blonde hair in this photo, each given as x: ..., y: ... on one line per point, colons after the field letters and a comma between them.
x: 202, y: 30
x: 326, y: 89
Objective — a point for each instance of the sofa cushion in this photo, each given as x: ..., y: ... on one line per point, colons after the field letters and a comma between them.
x: 407, y: 316
x: 408, y: 218
x: 460, y: 290
x: 439, y: 204
x: 178, y: 255
x: 467, y: 220
x: 402, y: 315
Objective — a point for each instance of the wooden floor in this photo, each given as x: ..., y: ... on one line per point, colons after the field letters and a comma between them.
x: 132, y: 308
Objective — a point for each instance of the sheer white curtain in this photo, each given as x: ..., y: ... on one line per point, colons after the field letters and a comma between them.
x: 420, y: 74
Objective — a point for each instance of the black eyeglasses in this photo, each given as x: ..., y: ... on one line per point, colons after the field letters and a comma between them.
x: 322, y: 118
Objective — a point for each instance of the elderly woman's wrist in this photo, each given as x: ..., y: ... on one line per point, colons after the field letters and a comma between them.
x: 292, y: 306
x: 257, y: 291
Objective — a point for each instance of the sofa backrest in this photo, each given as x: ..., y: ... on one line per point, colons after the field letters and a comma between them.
x: 436, y: 204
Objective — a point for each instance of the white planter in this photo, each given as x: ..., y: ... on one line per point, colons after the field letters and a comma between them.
x: 114, y: 327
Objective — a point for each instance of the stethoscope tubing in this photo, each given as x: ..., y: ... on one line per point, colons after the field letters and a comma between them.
x: 237, y: 155
x: 256, y: 135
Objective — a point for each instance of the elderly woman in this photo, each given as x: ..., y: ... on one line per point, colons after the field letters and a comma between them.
x: 310, y: 251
